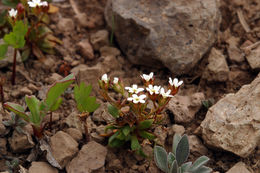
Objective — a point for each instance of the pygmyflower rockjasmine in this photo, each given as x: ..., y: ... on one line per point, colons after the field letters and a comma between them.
x: 12, y: 13
x: 146, y: 77
x: 175, y: 82
x: 115, y: 81
x: 137, y: 99
x: 104, y: 78
x: 37, y: 3
x: 153, y: 89
x: 134, y: 89
x: 165, y: 94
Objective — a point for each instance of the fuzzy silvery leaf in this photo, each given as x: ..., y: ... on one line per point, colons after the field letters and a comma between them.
x: 182, y: 150
x: 160, y: 157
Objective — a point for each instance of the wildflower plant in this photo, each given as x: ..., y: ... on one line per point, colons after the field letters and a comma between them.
x: 133, y: 117
x: 174, y: 162
x: 29, y: 31
x: 39, y: 109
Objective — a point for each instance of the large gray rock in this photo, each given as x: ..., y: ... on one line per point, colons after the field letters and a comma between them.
x: 233, y: 123
x: 174, y: 33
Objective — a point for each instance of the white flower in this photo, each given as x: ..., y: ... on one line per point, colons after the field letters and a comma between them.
x: 165, y: 94
x: 104, y: 78
x: 175, y: 82
x: 115, y: 81
x: 37, y: 3
x: 12, y: 13
x: 146, y: 77
x: 137, y: 99
x: 153, y: 89
x: 134, y: 89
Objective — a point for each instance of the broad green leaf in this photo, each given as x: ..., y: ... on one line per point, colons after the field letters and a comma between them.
x: 199, y: 163
x: 135, y: 143
x: 34, y: 106
x: 126, y: 130
x: 160, y: 157
x: 3, y: 50
x: 57, y: 89
x: 56, y: 105
x: 145, y: 124
x: 16, y: 41
x: 170, y: 158
x: 20, y: 28
x: 91, y: 104
x: 146, y: 135
x: 17, y: 109
x: 186, y: 166
x: 182, y: 150
x: 176, y: 140
x: 121, y: 136
x: 113, y: 111
x: 113, y: 142
x: 202, y: 169
x: 81, y: 93
x: 174, y: 167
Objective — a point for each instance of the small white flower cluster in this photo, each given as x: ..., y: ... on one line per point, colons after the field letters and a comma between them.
x: 146, y: 77
x: 106, y: 79
x: 175, y: 82
x: 12, y: 13
x: 37, y: 3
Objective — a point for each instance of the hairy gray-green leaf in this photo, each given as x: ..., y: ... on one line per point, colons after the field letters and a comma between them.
x: 174, y: 167
x: 199, y: 163
x: 182, y: 150
x: 160, y: 157
x: 176, y: 140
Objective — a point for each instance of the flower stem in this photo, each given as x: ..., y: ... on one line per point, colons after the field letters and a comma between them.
x: 14, y: 67
x: 2, y: 95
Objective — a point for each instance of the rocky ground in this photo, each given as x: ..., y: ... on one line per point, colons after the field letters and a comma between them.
x: 223, y: 47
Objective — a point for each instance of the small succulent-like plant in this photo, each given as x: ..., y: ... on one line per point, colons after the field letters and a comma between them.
x: 85, y: 103
x: 29, y: 30
x: 15, y: 123
x: 133, y: 117
x: 39, y: 109
x: 174, y: 162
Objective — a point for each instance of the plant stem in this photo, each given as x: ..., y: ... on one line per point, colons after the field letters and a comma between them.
x: 14, y: 67
x: 2, y: 95
x: 50, y: 124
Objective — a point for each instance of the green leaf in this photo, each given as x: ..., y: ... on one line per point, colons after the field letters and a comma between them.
x: 160, y: 157
x: 182, y: 150
x: 126, y: 130
x: 170, y: 158
x: 91, y: 104
x: 34, y: 106
x: 110, y: 127
x: 174, y: 167
x: 146, y: 135
x: 25, y: 54
x: 199, y: 163
x: 56, y: 105
x: 186, y: 166
x: 203, y: 169
x: 3, y: 50
x: 17, y: 109
x: 81, y: 94
x: 113, y: 111
x: 135, y: 143
x: 10, y: 3
x: 56, y: 90
x: 176, y: 140
x: 20, y: 28
x: 121, y: 136
x: 145, y: 124
x: 16, y: 41
x: 113, y: 142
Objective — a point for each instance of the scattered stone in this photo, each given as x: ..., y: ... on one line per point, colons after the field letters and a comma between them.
x: 32, y: 87
x: 3, y: 148
x: 114, y: 164
x: 86, y: 49
x: 73, y: 121
x: 42, y: 167
x: 2, y: 127
x: 20, y: 142
x: 75, y: 134
x: 196, y: 146
x: 54, y: 78
x: 55, y: 117
x: 110, y: 63
x: 109, y: 51
x: 63, y: 147
x: 99, y: 39
x: 217, y: 69
x: 172, y: 32
x: 233, y: 123
x: 91, y: 157
x: 235, y: 55
x: 184, y: 108
x: 8, y: 60
x: 239, y: 167
x: 254, y: 59
x: 102, y: 115
x: 26, y: 91
x: 77, y: 69
x: 161, y: 135
x: 48, y: 63
x: 179, y: 129
x: 66, y: 25
x: 96, y: 137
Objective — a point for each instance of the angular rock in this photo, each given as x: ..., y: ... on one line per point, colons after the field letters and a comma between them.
x: 42, y: 167
x: 73, y: 121
x: 240, y: 167
x: 86, y: 49
x: 75, y: 134
x: 233, y: 123
x: 254, y: 59
x: 99, y: 39
x: 174, y: 33
x: 184, y: 108
x: 235, y: 55
x: 102, y: 115
x: 217, y: 69
x: 196, y: 146
x: 20, y: 142
x: 66, y: 25
x: 109, y: 51
x: 179, y: 129
x: 91, y: 157
x: 63, y: 147
x: 3, y: 148
x: 54, y: 78
x: 161, y: 135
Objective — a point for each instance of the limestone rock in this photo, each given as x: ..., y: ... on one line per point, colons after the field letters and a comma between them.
x: 73, y: 121
x: 86, y: 49
x: 54, y: 78
x: 66, y: 25
x: 102, y: 115
x: 196, y: 146
x: 63, y: 147
x: 75, y: 134
x: 233, y: 123
x: 254, y: 59
x: 184, y: 108
x: 42, y: 167
x: 217, y: 69
x: 99, y: 39
x: 20, y: 142
x: 3, y: 148
x: 239, y: 167
x: 91, y: 157
x: 161, y: 135
x: 108, y: 51
x: 174, y: 33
